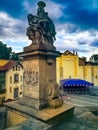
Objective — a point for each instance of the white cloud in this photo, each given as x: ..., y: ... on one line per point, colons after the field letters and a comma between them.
x: 12, y: 32
x: 54, y: 9
x: 30, y: 8
x: 78, y: 40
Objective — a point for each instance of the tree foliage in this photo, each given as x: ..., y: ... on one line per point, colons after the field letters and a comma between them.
x: 94, y: 58
x: 6, y: 52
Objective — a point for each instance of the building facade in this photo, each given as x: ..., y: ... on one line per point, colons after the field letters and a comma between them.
x: 11, y: 80
x: 70, y: 65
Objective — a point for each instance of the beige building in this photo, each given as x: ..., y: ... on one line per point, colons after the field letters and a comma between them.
x: 69, y: 65
x: 11, y: 80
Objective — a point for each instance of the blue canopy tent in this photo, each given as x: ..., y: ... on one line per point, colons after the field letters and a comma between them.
x: 75, y: 82
x: 74, y: 85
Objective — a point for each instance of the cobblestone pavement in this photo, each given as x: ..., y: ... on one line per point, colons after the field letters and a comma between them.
x: 83, y: 116
x: 81, y: 100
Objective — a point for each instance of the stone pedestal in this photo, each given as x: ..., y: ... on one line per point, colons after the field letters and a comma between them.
x: 39, y: 63
x: 40, y: 91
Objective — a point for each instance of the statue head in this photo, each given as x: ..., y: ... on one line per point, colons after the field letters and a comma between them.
x: 41, y: 4
x: 40, y: 10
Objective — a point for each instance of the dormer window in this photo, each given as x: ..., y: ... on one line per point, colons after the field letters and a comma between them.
x: 13, y: 68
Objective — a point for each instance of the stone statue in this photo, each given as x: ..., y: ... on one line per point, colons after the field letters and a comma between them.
x: 41, y: 27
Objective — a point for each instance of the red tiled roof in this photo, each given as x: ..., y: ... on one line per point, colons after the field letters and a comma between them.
x: 8, y: 65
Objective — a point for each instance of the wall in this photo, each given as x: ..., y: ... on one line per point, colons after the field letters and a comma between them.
x: 81, y: 72
x: 66, y: 67
x: 14, y: 117
x: 95, y: 75
x: 88, y: 73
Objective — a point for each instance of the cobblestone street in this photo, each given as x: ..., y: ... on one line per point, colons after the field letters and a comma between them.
x: 81, y: 100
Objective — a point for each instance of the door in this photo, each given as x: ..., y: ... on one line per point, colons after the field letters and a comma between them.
x: 16, y: 93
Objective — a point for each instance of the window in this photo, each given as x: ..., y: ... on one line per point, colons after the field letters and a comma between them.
x: 20, y: 93
x: 10, y: 89
x: 16, y: 68
x: 19, y: 68
x: 21, y: 78
x: 16, y: 78
x: 10, y: 79
x: 13, y: 68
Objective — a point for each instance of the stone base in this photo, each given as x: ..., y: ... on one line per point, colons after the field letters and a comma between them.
x: 50, y: 116
x: 55, y: 103
x: 42, y: 46
x: 34, y: 103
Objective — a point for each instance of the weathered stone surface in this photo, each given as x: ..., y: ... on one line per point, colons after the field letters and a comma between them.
x: 31, y: 124
x: 34, y: 103
x: 82, y: 120
x: 39, y: 77
x: 48, y: 115
x: 55, y: 103
x: 39, y: 46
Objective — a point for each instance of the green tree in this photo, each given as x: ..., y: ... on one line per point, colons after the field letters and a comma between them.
x: 14, y: 56
x: 94, y: 58
x: 6, y: 52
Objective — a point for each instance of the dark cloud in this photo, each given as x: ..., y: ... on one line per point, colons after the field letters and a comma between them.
x: 2, y: 33
x: 81, y: 41
x: 10, y: 28
x: 92, y: 33
x: 81, y: 13
x: 95, y: 43
x: 14, y: 8
x: 71, y: 28
x: 20, y: 28
x: 67, y: 28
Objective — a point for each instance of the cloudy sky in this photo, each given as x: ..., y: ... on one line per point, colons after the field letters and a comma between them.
x: 76, y: 23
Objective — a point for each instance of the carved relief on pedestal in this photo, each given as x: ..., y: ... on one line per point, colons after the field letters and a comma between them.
x: 31, y: 77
